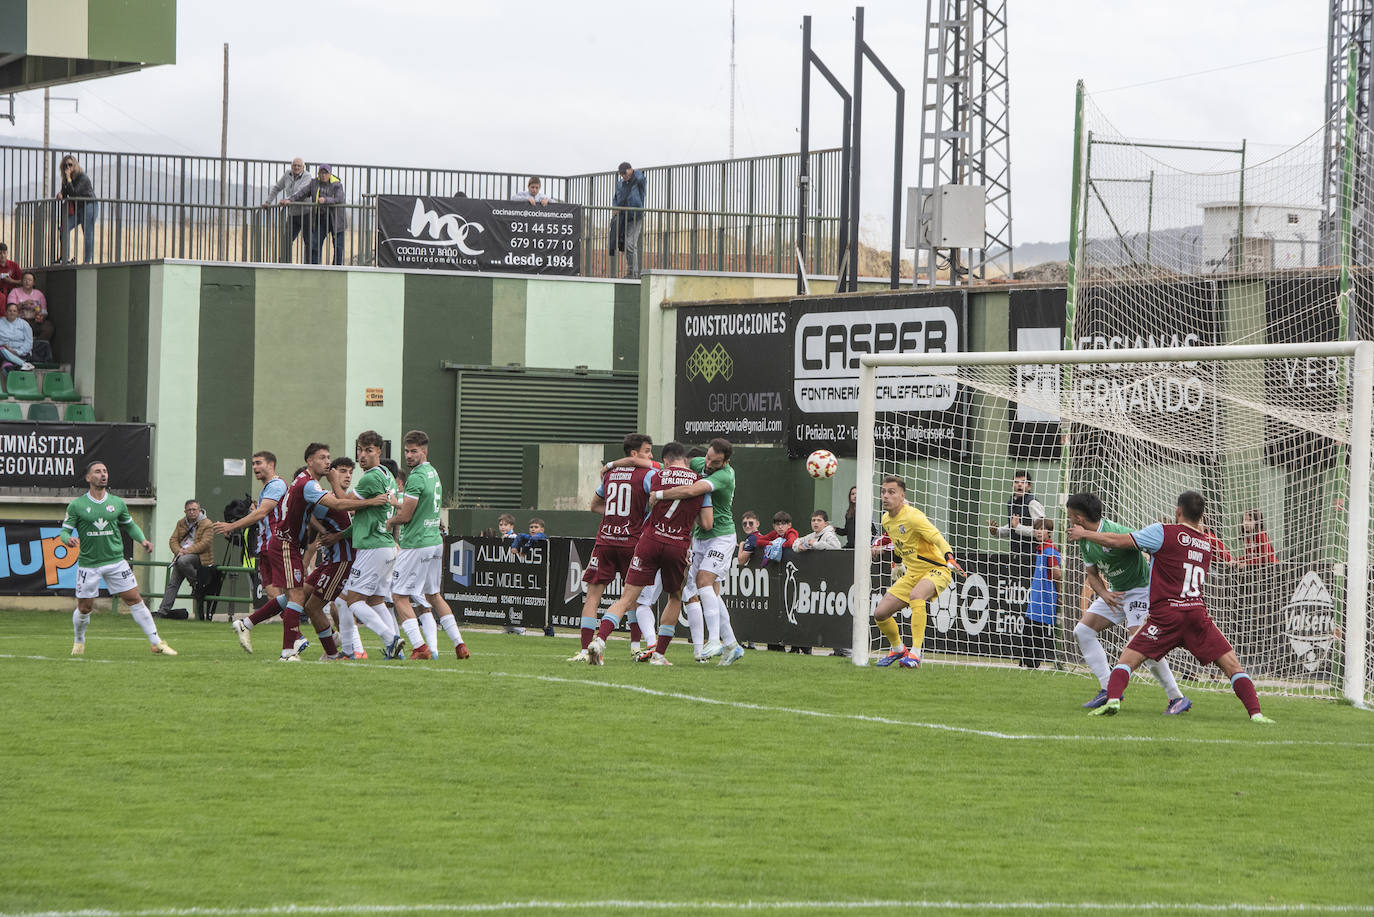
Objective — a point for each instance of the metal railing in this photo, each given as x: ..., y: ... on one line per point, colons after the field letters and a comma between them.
x: 682, y: 240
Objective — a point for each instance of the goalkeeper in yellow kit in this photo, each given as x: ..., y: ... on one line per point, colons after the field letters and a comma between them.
x: 927, y: 559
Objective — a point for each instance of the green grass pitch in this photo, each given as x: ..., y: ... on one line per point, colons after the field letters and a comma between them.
x: 514, y: 782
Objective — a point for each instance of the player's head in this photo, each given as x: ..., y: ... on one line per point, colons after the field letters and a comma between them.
x: 718, y: 453
x: 893, y: 492
x: 317, y: 459
x: 192, y: 509
x: 536, y: 526
x: 416, y: 443
x: 297, y: 473
x: 1020, y: 483
x: 749, y: 521
x: 782, y: 521
x: 400, y: 474
x: 819, y: 520
x: 341, y: 472
x: 675, y: 453
x: 264, y: 465
x: 97, y: 475
x: 505, y: 523
x: 1044, y: 527
x: 368, y: 447
x: 1252, y: 521
x: 639, y: 444
x: 1190, y: 507
x: 1085, y: 509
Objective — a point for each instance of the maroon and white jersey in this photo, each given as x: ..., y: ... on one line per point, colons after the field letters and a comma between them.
x: 276, y: 518
x: 671, y: 521
x: 1181, y: 557
x: 626, y: 492
x: 294, y: 512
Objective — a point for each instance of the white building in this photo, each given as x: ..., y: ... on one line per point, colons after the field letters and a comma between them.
x: 1276, y: 236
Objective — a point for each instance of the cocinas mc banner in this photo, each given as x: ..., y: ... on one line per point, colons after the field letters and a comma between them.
x: 463, y: 234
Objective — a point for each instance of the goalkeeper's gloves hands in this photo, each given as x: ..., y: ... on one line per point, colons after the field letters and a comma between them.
x: 954, y: 564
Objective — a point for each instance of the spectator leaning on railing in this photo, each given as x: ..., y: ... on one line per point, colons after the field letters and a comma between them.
x: 33, y: 308
x: 330, y: 218
x: 10, y: 277
x: 822, y: 536
x: 533, y: 195
x: 78, y: 195
x: 293, y: 181
x: 627, y: 223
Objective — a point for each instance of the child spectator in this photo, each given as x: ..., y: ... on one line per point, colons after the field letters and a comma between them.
x: 1258, y: 548
x: 1044, y: 597
x: 749, y: 523
x: 536, y: 534
x: 822, y: 536
x: 782, y: 537
x: 505, y: 526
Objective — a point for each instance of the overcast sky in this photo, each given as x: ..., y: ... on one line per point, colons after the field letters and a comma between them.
x: 569, y: 86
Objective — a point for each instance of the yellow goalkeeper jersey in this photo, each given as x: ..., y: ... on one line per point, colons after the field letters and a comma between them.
x: 914, y: 538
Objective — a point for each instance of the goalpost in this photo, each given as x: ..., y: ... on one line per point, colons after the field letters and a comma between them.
x: 1277, y: 439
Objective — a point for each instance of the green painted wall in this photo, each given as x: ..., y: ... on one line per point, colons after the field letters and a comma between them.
x: 225, y: 301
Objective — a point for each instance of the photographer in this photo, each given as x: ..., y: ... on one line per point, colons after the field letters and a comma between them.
x: 79, y: 196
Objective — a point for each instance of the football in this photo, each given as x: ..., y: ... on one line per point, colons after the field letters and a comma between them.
x: 821, y: 464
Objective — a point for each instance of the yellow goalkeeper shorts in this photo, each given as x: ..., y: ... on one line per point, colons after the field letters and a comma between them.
x: 939, y: 576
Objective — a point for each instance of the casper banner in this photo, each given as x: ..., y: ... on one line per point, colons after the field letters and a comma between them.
x: 733, y: 373
x: 462, y: 234
x: 919, y: 413
x: 54, y: 455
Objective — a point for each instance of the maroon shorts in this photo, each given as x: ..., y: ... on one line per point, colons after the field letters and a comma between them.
x: 653, y: 557
x: 269, y: 565
x: 1193, y: 629
x: 292, y: 564
x: 328, y: 579
x: 607, y: 561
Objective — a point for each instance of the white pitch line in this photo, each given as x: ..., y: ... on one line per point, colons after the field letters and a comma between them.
x: 627, y: 905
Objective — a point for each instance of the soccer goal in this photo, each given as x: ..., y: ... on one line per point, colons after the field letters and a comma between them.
x: 1276, y: 438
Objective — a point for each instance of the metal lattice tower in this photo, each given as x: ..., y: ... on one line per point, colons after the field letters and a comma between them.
x: 965, y: 134
x: 1351, y: 24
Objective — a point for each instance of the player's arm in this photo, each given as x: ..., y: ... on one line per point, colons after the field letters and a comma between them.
x: 1107, y: 540
x: 926, y: 529
x: 130, y: 527
x: 706, y: 516
x: 630, y: 461
x: 68, y: 533
x: 686, y: 491
x: 598, y: 504
x: 334, y: 501
x: 405, y: 512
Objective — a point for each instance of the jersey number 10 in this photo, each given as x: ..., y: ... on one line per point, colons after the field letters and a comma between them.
x: 1192, y: 581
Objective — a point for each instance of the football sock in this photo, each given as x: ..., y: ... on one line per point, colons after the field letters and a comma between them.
x: 79, y: 622
x: 695, y: 625
x: 266, y: 611
x: 1093, y: 653
x: 888, y: 627
x: 430, y: 628
x: 1116, y: 683
x: 144, y: 617
x: 412, y: 629
x: 634, y: 631
x: 710, y: 613
x: 1245, y: 690
x: 450, y: 625
x: 644, y: 615
x: 372, y: 621
x: 1159, y: 668
x: 348, y: 632
x: 588, y: 630
x: 609, y: 623
x: 665, y: 636
x: 918, y: 625
x: 290, y: 627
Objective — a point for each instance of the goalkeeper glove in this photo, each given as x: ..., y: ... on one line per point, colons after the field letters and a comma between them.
x: 954, y: 564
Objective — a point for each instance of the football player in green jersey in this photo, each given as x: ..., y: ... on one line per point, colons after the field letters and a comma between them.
x: 374, y: 546
x: 93, y: 524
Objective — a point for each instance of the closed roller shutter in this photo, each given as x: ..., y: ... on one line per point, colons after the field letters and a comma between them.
x: 500, y: 412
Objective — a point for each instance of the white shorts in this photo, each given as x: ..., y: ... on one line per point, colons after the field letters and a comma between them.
x: 118, y: 579
x: 1135, y: 605
x: 417, y: 571
x: 371, y: 571
x: 714, y: 555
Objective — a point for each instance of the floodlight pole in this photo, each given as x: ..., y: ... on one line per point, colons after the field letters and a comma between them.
x: 862, y: 50
x: 809, y: 60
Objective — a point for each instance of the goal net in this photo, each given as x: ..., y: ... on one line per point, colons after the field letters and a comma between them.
x: 1276, y: 438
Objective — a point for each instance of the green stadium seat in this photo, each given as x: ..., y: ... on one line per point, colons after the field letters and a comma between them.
x: 58, y: 386
x: 78, y: 413
x: 23, y: 385
x: 10, y: 411
x: 42, y: 410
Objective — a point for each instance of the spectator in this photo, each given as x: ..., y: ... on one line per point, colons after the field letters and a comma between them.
x: 192, y: 546
x: 1022, y: 511
x: 749, y: 524
x: 33, y: 308
x: 10, y: 277
x: 16, y: 341
x: 536, y: 535
x: 293, y: 181
x: 79, y: 195
x: 1258, y: 548
x: 329, y: 218
x: 1043, y: 605
x: 782, y: 537
x: 505, y: 527
x: 627, y: 223
x: 822, y: 536
x: 533, y: 195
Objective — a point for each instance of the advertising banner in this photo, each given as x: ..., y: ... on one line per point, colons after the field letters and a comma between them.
x: 34, y: 561
x: 733, y: 373
x: 920, y: 414
x: 486, y: 582
x: 55, y: 455
x: 1036, y: 323
x: 463, y: 234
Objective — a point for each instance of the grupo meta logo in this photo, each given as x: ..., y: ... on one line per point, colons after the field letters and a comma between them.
x: 829, y: 345
x: 1309, y: 622
x: 44, y: 556
x: 444, y: 231
x: 462, y: 558
x: 709, y: 365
